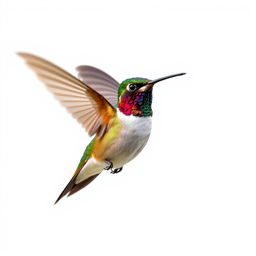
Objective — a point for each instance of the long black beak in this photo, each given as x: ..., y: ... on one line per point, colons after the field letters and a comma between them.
x: 151, y: 83
x: 165, y: 77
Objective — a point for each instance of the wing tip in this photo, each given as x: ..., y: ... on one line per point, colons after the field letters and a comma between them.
x: 21, y: 54
x: 24, y: 54
x: 78, y: 68
x: 29, y: 57
x: 82, y: 67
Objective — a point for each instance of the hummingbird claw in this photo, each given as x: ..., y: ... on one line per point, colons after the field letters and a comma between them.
x: 117, y: 170
x: 109, y: 165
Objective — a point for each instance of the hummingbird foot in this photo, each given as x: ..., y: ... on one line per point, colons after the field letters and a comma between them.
x: 117, y: 170
x: 109, y: 165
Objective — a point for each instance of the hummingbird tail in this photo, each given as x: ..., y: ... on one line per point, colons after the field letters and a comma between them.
x: 72, y: 187
x: 81, y: 185
x: 66, y: 190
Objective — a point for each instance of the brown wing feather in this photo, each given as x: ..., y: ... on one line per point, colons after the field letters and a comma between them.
x: 86, y: 105
x: 100, y: 81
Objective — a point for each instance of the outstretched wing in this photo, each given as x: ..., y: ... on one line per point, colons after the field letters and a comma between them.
x: 86, y: 105
x: 100, y: 81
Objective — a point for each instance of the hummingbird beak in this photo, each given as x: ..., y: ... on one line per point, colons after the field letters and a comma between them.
x: 151, y: 83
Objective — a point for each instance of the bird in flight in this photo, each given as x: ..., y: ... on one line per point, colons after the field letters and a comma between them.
x: 119, y: 116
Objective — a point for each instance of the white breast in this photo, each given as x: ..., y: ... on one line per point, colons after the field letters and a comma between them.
x: 140, y: 126
x: 132, y: 139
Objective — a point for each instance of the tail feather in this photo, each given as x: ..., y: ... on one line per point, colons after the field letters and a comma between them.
x: 81, y: 185
x: 72, y: 187
x: 69, y: 186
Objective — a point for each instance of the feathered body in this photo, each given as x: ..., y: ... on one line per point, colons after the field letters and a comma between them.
x: 123, y: 142
x: 129, y: 132
x: 119, y: 116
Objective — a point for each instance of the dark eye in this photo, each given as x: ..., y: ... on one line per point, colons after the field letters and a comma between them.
x: 132, y: 87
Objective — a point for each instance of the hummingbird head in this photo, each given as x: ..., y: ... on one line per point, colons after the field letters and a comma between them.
x: 135, y: 95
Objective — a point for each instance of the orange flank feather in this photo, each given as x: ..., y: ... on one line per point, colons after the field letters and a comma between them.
x: 104, y: 144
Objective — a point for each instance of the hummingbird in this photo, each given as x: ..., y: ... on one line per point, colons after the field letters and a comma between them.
x: 119, y: 116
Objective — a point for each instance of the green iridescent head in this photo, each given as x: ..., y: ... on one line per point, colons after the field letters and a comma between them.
x: 135, y: 95
x: 136, y: 80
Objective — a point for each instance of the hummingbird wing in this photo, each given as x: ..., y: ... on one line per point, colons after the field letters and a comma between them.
x: 100, y: 81
x: 86, y: 105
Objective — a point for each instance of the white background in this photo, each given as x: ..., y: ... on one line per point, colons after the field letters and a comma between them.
x: 192, y: 190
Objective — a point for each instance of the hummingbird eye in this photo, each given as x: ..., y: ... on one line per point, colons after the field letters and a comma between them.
x: 131, y: 87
